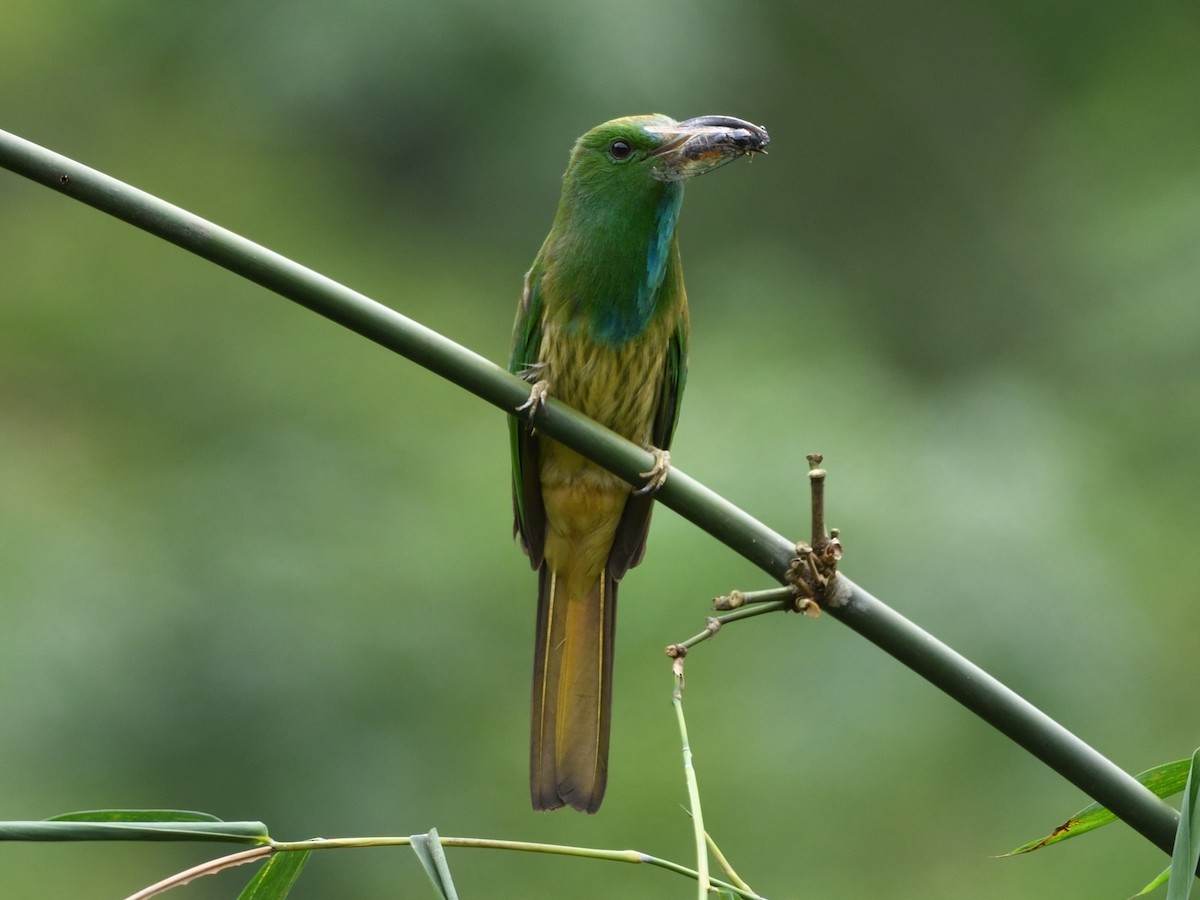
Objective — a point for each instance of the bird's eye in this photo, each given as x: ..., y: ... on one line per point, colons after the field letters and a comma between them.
x: 620, y: 150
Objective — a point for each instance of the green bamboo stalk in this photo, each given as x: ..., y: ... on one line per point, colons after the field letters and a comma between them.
x: 770, y: 551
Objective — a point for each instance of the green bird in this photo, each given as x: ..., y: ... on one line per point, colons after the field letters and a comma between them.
x: 603, y: 326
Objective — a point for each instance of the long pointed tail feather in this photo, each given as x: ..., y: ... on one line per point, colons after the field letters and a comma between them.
x: 572, y: 693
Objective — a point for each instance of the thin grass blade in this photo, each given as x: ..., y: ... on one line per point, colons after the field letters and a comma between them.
x: 1161, y: 879
x: 432, y: 855
x: 275, y: 879
x: 1164, y: 780
x: 1186, y: 854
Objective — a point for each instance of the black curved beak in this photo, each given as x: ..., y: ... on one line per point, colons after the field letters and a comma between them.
x: 695, y: 146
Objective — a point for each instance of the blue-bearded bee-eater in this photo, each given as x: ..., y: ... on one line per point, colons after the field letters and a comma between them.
x: 602, y: 325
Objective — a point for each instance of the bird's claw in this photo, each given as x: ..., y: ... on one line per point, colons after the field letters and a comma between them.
x: 657, y: 476
x: 537, y: 398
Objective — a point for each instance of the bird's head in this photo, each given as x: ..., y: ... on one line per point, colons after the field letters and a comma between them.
x: 645, y: 149
x: 613, y: 239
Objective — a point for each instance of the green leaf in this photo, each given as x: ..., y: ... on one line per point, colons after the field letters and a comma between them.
x: 134, y: 815
x: 1161, y: 879
x: 429, y: 850
x: 1163, y: 781
x: 275, y: 879
x: 1186, y: 854
x: 119, y: 825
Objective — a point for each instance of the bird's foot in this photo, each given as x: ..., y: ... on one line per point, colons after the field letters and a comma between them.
x: 537, y: 398
x: 657, y: 476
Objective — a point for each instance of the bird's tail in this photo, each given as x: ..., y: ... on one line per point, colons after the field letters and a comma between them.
x: 572, y: 693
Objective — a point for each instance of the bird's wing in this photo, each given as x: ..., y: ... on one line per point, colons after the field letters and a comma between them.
x: 671, y: 396
x: 629, y: 545
x: 529, y: 515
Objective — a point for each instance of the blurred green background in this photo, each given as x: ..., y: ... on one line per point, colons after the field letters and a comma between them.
x: 254, y: 565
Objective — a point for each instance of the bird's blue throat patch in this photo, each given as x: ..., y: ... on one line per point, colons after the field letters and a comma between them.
x: 621, y: 323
